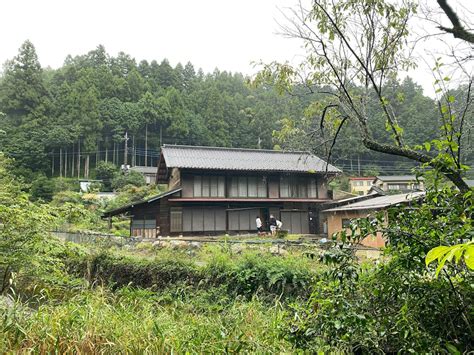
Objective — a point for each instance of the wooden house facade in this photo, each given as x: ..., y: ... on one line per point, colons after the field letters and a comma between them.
x: 222, y: 190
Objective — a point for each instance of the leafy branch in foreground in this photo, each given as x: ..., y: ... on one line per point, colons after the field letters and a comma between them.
x: 457, y: 252
x: 354, y: 50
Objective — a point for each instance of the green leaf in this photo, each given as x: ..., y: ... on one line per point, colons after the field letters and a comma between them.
x: 452, y: 349
x: 469, y: 256
x: 436, y: 253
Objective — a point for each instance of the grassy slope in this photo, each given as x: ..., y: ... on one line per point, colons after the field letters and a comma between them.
x: 219, y: 303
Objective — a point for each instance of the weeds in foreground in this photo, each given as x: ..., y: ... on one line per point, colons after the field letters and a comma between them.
x: 133, y: 320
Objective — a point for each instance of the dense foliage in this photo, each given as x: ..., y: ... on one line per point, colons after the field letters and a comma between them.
x: 399, y: 304
x: 67, y: 121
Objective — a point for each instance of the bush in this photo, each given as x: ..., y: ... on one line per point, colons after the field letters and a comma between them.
x: 42, y: 189
x: 248, y: 275
x: 130, y: 177
x: 106, y: 172
x: 66, y: 184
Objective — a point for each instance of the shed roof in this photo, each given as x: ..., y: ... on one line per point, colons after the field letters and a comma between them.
x: 398, y: 178
x: 217, y: 158
x: 144, y: 169
x: 379, y: 202
x: 128, y: 207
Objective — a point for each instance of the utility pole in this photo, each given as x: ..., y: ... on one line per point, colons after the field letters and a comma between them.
x: 125, y: 153
x: 161, y: 136
x: 358, y: 164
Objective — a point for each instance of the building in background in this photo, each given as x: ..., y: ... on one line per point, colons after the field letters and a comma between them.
x: 336, y: 219
x: 399, y: 183
x: 222, y: 190
x: 148, y: 172
x: 361, y: 185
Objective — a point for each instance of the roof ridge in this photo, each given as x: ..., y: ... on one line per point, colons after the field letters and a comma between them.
x: 237, y: 149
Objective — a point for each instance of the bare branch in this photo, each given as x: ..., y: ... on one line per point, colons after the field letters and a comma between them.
x: 458, y: 30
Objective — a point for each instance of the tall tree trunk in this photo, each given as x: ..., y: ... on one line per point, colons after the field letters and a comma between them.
x: 146, y: 144
x: 79, y: 159
x: 65, y: 162
x: 125, y: 151
x: 86, y: 167
x: 52, y: 163
x: 60, y: 162
x: 73, y: 162
x: 106, y: 151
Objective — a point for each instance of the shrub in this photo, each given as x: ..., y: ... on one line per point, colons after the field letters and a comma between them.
x: 42, y: 189
x: 106, y: 172
x: 130, y: 177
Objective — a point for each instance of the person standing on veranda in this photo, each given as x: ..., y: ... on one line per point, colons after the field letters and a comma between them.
x: 273, y: 224
x: 258, y: 222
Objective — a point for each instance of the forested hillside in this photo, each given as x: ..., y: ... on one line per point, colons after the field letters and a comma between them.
x: 63, y: 121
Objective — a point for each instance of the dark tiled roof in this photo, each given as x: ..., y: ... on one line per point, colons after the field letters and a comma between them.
x: 181, y: 156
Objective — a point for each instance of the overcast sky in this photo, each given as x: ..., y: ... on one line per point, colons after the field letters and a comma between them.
x: 209, y: 33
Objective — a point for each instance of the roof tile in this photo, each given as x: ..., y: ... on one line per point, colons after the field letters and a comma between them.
x: 191, y: 157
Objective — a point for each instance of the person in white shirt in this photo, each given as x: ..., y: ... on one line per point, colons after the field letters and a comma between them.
x: 279, y: 225
x: 258, y: 221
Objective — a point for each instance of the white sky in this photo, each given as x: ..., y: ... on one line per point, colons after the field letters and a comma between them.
x: 228, y: 34
x: 209, y: 33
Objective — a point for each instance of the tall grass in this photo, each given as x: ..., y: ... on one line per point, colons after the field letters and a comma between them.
x: 209, y: 301
x: 133, y: 320
x: 248, y: 274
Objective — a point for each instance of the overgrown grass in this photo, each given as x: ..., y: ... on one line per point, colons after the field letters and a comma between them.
x: 253, y: 272
x: 130, y: 320
x: 211, y: 301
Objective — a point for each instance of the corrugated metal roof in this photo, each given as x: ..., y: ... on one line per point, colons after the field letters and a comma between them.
x: 378, y: 202
x: 398, y: 177
x: 215, y: 158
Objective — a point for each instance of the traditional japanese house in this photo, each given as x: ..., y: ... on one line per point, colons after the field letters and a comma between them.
x: 221, y: 190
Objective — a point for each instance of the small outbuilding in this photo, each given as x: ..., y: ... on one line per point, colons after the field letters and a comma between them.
x: 337, y: 219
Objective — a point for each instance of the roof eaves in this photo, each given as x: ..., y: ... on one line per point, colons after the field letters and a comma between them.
x: 125, y: 208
